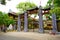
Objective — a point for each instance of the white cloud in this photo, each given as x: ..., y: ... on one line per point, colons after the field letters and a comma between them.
x: 12, y: 4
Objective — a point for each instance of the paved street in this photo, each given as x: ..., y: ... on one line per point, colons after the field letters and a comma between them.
x: 28, y: 36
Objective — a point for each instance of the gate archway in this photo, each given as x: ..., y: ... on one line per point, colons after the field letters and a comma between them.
x: 23, y: 21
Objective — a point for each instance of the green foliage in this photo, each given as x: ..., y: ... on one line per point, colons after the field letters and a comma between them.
x: 3, y: 2
x: 4, y: 19
x: 1, y: 17
x: 56, y: 8
x: 49, y: 2
x: 10, y: 21
x: 56, y: 3
x: 23, y: 6
x: 29, y: 19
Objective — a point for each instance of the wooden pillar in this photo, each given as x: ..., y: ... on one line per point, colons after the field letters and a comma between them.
x: 25, y: 22
x: 40, y: 20
x: 54, y: 23
x: 19, y: 23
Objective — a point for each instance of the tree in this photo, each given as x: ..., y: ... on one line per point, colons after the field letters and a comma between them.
x: 56, y: 3
x: 5, y: 20
x: 1, y: 18
x: 56, y: 8
x: 3, y: 2
x: 23, y: 6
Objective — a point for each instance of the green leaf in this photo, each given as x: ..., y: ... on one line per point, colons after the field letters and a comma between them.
x: 23, y: 6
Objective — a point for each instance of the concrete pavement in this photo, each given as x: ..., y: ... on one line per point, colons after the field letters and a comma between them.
x: 28, y: 36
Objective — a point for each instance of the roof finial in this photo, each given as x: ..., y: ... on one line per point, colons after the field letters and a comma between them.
x: 40, y: 3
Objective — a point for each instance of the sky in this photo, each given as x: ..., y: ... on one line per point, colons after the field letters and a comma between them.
x: 12, y: 4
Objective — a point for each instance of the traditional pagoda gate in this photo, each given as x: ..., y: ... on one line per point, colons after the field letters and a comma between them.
x: 31, y: 11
